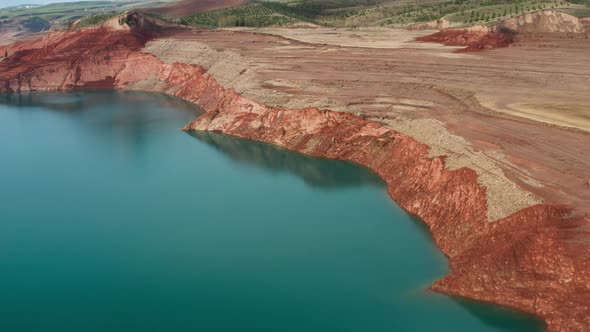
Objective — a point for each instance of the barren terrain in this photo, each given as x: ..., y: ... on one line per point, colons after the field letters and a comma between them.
x: 357, y: 37
x: 508, y: 113
x: 469, y: 142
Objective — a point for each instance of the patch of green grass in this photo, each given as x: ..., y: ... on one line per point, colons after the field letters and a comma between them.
x: 581, y: 8
x: 95, y: 19
x: 497, y: 12
x: 471, y: 11
x: 36, y: 24
x: 59, y: 16
x: 252, y: 14
x: 404, y: 12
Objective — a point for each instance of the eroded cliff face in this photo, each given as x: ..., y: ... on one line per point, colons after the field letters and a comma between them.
x: 475, y: 39
x: 502, y: 33
x: 536, y: 260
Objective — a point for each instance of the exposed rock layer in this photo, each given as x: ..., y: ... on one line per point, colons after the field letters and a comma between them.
x: 475, y: 40
x: 536, y: 260
x: 502, y: 34
x: 544, y: 21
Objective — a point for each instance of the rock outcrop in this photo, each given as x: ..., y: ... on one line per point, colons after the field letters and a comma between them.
x: 544, y: 21
x: 536, y: 260
x: 475, y: 39
x: 502, y: 34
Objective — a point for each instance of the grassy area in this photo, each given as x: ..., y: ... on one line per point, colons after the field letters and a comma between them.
x: 252, y: 14
x: 495, y: 12
x: 580, y: 8
x: 61, y: 15
x: 36, y: 24
x: 260, y: 13
x: 379, y: 12
x: 282, y: 12
x: 458, y: 11
x: 96, y: 19
x: 59, y: 10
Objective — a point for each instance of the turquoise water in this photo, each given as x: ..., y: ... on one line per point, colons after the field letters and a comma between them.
x: 112, y: 219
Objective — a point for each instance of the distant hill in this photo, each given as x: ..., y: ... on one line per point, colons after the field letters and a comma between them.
x: 356, y: 13
x: 12, y: 3
x: 188, y: 7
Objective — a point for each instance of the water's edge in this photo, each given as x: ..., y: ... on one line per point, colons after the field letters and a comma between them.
x: 488, y: 261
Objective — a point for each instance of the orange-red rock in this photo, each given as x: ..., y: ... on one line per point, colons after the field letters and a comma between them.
x: 536, y: 260
x: 474, y: 40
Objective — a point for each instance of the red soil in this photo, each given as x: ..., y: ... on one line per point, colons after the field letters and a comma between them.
x: 189, y: 7
x: 536, y: 260
x: 474, y: 40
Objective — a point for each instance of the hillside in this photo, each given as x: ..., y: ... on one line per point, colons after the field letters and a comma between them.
x: 19, y: 21
x: 188, y: 7
x: 348, y: 13
x: 434, y: 14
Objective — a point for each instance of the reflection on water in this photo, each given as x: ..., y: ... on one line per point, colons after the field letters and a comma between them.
x: 492, y: 316
x: 115, y: 220
x: 315, y: 172
x: 77, y: 101
x: 100, y: 112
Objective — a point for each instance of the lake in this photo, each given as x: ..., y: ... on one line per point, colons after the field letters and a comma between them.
x: 113, y: 219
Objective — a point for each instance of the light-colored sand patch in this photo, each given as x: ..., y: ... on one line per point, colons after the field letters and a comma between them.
x: 564, y: 114
x: 233, y: 71
x: 240, y: 73
x: 385, y: 38
x: 504, y: 196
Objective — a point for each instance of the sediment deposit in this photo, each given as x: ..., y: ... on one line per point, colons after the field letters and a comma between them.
x: 475, y: 39
x: 503, y: 246
x: 502, y: 33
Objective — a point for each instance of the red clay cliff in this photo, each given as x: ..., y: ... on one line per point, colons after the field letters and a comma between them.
x: 474, y: 40
x: 536, y: 260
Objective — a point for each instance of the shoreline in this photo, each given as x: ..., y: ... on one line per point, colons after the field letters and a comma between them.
x: 374, y: 137
x: 497, y: 262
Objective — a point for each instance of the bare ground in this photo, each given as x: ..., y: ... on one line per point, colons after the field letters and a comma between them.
x: 518, y: 116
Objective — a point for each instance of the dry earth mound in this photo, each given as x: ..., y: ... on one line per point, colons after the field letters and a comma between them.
x: 476, y: 39
x: 502, y: 34
x: 545, y: 21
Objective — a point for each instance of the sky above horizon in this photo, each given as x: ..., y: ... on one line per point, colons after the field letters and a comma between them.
x: 10, y: 3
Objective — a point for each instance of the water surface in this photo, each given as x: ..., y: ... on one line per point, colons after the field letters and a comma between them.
x: 112, y: 219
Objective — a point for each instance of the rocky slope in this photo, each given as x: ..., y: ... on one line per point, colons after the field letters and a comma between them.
x: 536, y: 260
x: 475, y: 39
x: 503, y: 33
x: 544, y: 21
x: 189, y: 7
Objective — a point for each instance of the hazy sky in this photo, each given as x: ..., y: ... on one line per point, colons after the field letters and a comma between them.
x: 9, y: 3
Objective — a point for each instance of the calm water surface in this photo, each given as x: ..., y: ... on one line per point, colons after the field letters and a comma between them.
x: 112, y: 219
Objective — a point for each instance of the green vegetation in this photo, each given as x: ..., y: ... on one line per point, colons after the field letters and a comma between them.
x: 254, y: 14
x: 261, y: 13
x: 61, y: 15
x: 497, y: 10
x: 36, y: 24
x: 458, y: 11
x: 96, y: 19
x: 378, y: 12
x: 579, y: 8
